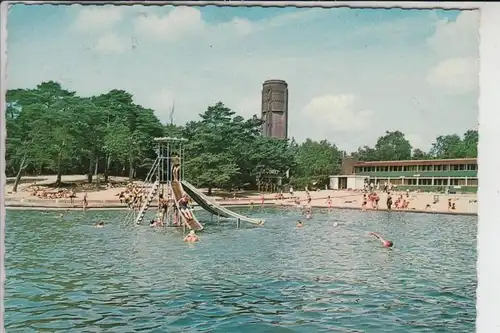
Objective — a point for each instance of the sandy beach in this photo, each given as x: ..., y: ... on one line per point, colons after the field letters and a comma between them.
x: 465, y: 204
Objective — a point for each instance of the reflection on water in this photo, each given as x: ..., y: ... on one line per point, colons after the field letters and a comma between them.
x: 66, y: 275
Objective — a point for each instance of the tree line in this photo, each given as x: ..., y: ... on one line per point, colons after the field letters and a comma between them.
x: 51, y: 130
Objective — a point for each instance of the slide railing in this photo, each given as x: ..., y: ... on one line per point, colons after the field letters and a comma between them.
x: 213, y: 207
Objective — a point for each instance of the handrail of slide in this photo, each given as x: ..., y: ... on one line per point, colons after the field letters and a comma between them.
x: 176, y: 199
x: 204, y: 202
x: 218, y: 207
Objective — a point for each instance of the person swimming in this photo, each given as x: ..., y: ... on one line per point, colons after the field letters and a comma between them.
x: 300, y: 224
x: 191, y: 237
x: 386, y: 243
x: 100, y: 224
x: 153, y: 223
x: 308, y: 214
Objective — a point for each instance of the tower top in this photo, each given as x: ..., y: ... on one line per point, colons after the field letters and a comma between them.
x: 275, y: 81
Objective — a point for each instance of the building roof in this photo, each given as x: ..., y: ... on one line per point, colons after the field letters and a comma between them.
x: 418, y: 162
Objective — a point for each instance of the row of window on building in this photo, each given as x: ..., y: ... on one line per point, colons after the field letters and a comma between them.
x: 416, y: 168
x: 417, y: 181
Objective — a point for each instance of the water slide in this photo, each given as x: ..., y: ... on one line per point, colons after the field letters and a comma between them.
x: 191, y: 221
x: 214, y: 208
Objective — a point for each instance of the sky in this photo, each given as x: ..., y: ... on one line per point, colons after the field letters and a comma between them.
x: 352, y: 74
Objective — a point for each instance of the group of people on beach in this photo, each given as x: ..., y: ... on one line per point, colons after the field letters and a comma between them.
x: 57, y: 194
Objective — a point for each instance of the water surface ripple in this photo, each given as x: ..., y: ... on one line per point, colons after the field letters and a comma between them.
x: 65, y: 275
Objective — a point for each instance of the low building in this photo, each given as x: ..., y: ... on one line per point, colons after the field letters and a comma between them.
x: 427, y: 175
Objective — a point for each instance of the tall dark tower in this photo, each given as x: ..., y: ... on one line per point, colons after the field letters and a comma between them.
x: 275, y: 109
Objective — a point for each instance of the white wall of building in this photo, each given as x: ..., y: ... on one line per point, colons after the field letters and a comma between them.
x: 334, y: 183
x: 360, y: 183
x: 353, y: 182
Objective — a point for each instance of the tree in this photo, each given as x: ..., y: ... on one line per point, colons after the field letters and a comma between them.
x: 267, y: 155
x: 315, y: 162
x: 470, y: 142
x: 23, y: 129
x: 54, y: 130
x: 366, y: 154
x: 419, y: 154
x: 393, y: 146
x: 44, y: 111
x: 51, y: 130
x: 448, y: 146
x: 210, y: 163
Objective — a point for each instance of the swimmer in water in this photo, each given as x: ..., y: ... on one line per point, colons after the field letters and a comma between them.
x: 386, y: 243
x: 191, y: 237
x: 100, y: 224
x: 300, y: 224
x: 308, y: 214
x: 153, y: 223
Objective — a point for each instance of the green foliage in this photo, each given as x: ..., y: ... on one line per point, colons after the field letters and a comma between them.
x: 315, y: 162
x: 454, y: 146
x: 393, y: 146
x: 51, y: 130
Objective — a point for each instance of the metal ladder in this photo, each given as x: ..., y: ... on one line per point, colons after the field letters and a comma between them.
x: 147, y: 202
x: 131, y: 214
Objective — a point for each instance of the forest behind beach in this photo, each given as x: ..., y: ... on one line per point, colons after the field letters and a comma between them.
x: 53, y: 131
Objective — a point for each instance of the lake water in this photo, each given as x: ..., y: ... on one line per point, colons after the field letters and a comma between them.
x: 64, y: 275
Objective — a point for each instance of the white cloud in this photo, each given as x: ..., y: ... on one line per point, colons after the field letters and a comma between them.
x: 178, y: 22
x: 97, y: 18
x: 459, y: 38
x: 391, y: 66
x: 456, y: 44
x: 455, y: 75
x: 339, y: 112
x: 110, y: 43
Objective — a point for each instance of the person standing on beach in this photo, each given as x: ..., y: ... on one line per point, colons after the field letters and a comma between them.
x: 72, y: 196
x: 389, y: 202
x: 376, y: 199
x: 85, y: 202
x: 364, y: 203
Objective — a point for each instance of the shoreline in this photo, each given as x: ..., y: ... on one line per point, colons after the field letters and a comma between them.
x: 117, y: 207
x: 107, y: 199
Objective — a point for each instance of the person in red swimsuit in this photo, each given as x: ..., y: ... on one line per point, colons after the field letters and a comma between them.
x: 386, y: 243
